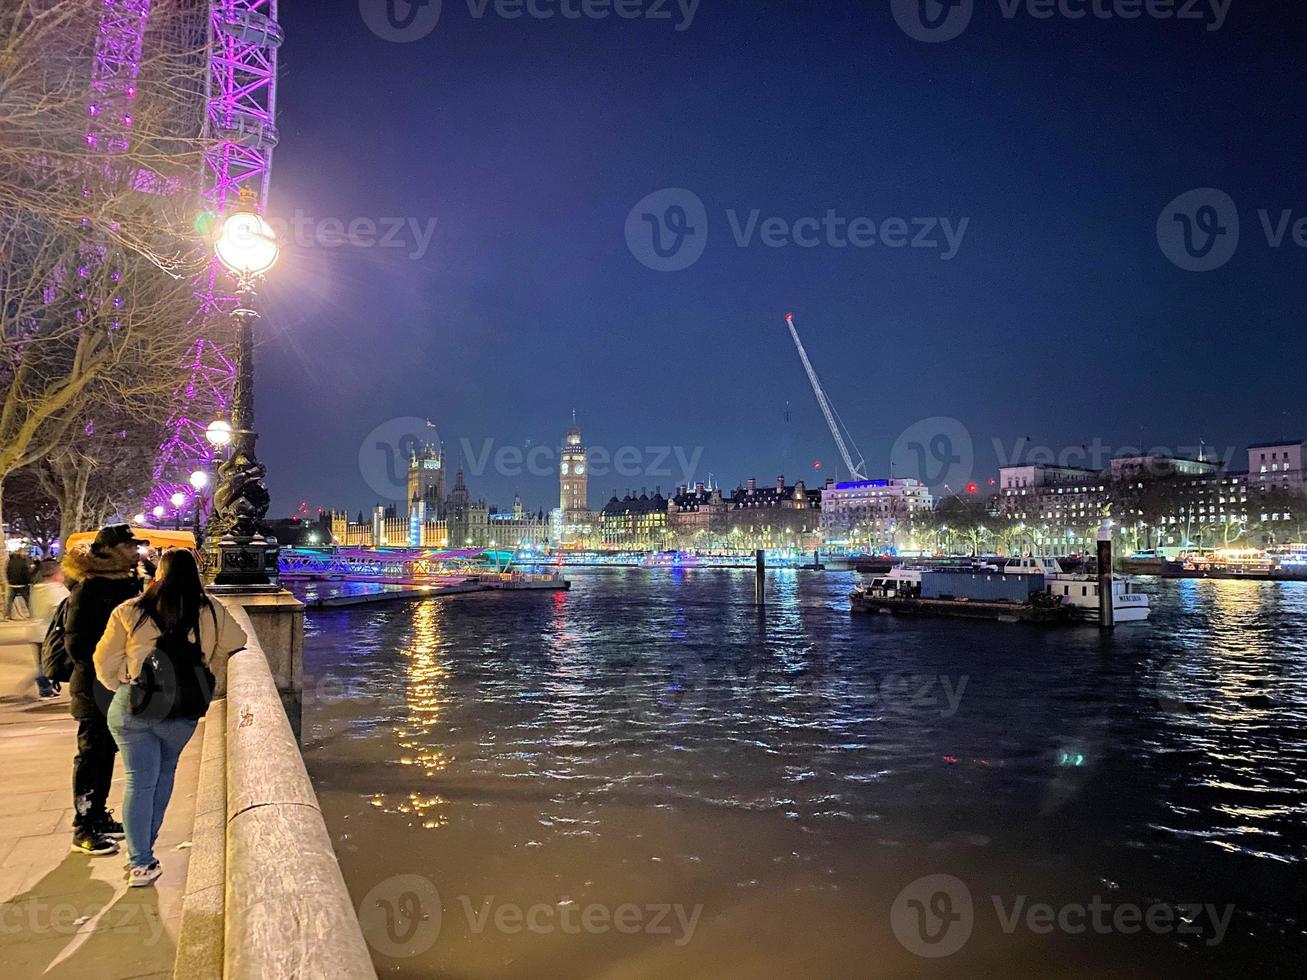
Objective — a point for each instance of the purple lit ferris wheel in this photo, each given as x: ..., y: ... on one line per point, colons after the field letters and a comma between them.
x: 241, y: 104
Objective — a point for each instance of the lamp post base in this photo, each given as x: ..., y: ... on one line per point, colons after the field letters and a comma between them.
x: 246, y: 562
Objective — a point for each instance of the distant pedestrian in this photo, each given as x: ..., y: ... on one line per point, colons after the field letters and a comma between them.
x: 100, y: 578
x: 47, y: 592
x: 175, y: 622
x: 18, y: 572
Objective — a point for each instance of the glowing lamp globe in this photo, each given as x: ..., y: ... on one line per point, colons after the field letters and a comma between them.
x: 199, y: 479
x: 178, y: 499
x: 247, y: 245
x: 158, y: 510
x: 218, y: 433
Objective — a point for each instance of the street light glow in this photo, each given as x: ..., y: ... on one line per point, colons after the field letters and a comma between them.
x: 158, y: 510
x: 218, y: 433
x: 199, y: 480
x: 178, y: 499
x: 247, y: 245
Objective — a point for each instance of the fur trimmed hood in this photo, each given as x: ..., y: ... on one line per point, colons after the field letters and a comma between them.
x: 81, y: 563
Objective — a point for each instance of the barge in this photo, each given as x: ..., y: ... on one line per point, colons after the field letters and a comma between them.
x: 1027, y: 590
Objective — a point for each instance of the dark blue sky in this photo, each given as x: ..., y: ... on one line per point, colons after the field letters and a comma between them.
x: 529, y: 142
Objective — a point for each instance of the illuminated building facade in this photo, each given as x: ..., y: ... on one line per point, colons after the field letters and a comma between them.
x: 439, y: 520
x: 871, y: 515
x: 636, y: 523
x: 778, y: 516
x: 1160, y: 500
x: 696, y: 517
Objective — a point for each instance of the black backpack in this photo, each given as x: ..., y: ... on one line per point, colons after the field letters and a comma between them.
x: 56, y: 663
x: 174, y: 681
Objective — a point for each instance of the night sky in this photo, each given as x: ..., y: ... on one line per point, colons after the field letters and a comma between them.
x: 1059, y: 141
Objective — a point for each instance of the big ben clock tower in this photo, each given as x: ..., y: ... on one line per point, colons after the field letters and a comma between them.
x: 573, y: 480
x: 574, y: 524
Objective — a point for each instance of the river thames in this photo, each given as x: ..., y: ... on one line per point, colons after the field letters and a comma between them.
x: 647, y: 776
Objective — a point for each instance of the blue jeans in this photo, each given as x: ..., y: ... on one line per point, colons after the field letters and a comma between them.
x: 150, y: 751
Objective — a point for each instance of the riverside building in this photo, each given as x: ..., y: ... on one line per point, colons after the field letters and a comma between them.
x: 871, y: 515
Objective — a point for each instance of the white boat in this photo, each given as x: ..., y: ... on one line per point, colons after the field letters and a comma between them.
x: 1080, y: 589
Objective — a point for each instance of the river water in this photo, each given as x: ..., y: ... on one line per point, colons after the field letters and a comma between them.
x: 647, y: 776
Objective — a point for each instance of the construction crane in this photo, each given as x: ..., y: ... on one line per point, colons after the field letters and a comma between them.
x: 843, y: 439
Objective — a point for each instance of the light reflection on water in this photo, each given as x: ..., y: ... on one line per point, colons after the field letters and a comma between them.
x: 653, y: 734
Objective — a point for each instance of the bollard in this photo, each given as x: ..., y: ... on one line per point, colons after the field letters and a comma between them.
x: 1106, y: 607
x: 760, y: 578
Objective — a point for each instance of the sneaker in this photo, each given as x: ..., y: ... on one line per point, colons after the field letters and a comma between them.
x: 90, y: 842
x: 140, y: 877
x: 107, y: 826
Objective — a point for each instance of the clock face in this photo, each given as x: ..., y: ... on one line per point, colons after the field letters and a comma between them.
x: 566, y: 468
x: 579, y: 469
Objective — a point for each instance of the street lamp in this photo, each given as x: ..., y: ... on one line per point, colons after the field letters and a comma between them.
x: 199, y: 480
x: 177, y: 499
x: 218, y: 434
x: 247, y: 247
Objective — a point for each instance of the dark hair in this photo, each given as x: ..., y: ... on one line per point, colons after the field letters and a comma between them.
x: 46, y: 571
x: 173, y: 600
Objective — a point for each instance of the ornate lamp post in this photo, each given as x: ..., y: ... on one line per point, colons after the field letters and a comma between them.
x: 247, y: 248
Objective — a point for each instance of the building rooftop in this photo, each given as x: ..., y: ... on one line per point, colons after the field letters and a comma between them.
x: 1276, y: 445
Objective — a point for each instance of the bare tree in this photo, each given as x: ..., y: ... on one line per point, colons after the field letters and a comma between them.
x: 99, y: 165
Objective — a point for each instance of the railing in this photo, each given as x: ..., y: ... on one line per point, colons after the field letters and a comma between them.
x: 264, y: 893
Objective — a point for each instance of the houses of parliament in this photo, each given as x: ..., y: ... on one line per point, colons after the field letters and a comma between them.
x: 436, y: 518
x: 450, y: 519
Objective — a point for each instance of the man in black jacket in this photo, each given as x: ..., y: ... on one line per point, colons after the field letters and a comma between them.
x: 100, y: 579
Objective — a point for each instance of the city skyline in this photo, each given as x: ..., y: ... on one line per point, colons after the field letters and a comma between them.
x: 1059, y: 316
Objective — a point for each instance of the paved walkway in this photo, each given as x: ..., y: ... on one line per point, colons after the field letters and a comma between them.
x: 66, y: 915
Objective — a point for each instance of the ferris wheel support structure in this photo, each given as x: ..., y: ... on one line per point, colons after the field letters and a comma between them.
x: 241, y: 109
